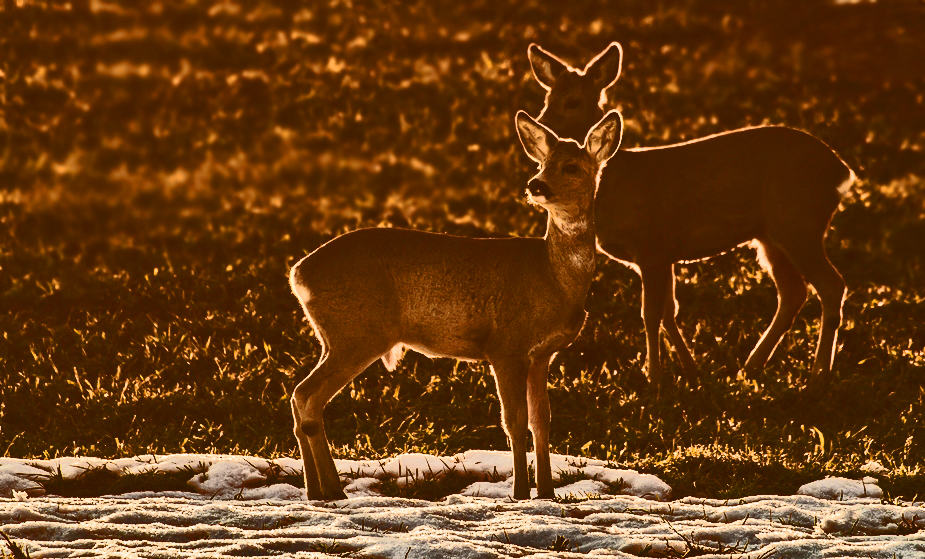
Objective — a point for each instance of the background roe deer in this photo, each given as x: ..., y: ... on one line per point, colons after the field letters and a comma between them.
x: 371, y: 293
x: 772, y: 185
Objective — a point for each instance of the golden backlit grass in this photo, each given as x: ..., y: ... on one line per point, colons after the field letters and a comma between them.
x: 162, y: 166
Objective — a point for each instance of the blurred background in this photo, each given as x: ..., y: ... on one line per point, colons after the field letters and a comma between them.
x: 163, y: 163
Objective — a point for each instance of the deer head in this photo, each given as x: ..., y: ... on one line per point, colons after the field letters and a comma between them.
x: 567, y: 179
x: 574, y: 97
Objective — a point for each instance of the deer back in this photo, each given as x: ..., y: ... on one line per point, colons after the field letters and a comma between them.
x: 696, y: 199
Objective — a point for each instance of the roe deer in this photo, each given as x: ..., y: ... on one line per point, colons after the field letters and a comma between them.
x: 371, y: 293
x: 774, y: 186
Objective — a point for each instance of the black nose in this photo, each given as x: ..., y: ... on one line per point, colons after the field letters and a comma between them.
x: 539, y: 187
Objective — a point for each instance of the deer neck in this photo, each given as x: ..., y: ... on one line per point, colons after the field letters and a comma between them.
x: 571, y: 249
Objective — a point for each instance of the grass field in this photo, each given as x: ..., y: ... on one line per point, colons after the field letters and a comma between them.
x: 162, y: 165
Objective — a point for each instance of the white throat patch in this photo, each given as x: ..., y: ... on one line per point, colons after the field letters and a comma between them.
x: 579, y: 259
x: 571, y: 226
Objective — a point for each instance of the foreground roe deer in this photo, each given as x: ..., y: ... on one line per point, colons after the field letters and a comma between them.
x: 371, y: 293
x: 775, y: 186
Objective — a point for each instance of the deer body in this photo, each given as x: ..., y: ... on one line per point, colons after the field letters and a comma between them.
x: 448, y: 296
x: 776, y: 186
x: 683, y: 203
x: 513, y: 302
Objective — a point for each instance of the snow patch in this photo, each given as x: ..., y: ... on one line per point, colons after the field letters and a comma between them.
x: 493, y: 490
x: 647, y: 486
x: 228, y: 479
x: 874, y: 520
x: 416, y: 465
x: 873, y: 467
x: 12, y: 485
x: 582, y: 488
x: 841, y: 489
x: 361, y: 487
x: 276, y: 521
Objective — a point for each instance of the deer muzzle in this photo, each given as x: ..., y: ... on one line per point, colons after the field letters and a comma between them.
x: 539, y: 190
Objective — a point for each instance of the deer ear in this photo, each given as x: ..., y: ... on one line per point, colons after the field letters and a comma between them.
x: 546, y: 66
x: 605, y: 137
x: 604, y: 69
x: 536, y: 138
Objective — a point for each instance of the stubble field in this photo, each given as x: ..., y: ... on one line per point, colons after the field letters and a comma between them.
x: 163, y: 165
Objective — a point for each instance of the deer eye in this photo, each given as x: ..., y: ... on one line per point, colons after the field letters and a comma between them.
x: 570, y: 169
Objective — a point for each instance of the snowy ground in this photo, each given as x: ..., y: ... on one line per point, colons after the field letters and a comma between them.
x: 232, y: 510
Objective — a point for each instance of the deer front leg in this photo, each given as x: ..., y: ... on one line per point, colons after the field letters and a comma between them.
x: 655, y: 280
x: 539, y: 417
x: 670, y: 323
x: 511, y: 380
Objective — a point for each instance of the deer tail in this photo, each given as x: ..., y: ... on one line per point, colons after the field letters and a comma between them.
x: 845, y: 186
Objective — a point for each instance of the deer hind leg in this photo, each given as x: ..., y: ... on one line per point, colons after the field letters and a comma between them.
x: 811, y: 260
x: 791, y: 294
x: 539, y: 418
x: 309, y: 471
x: 670, y: 324
x: 655, y: 283
x: 342, y: 364
x: 511, y: 380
